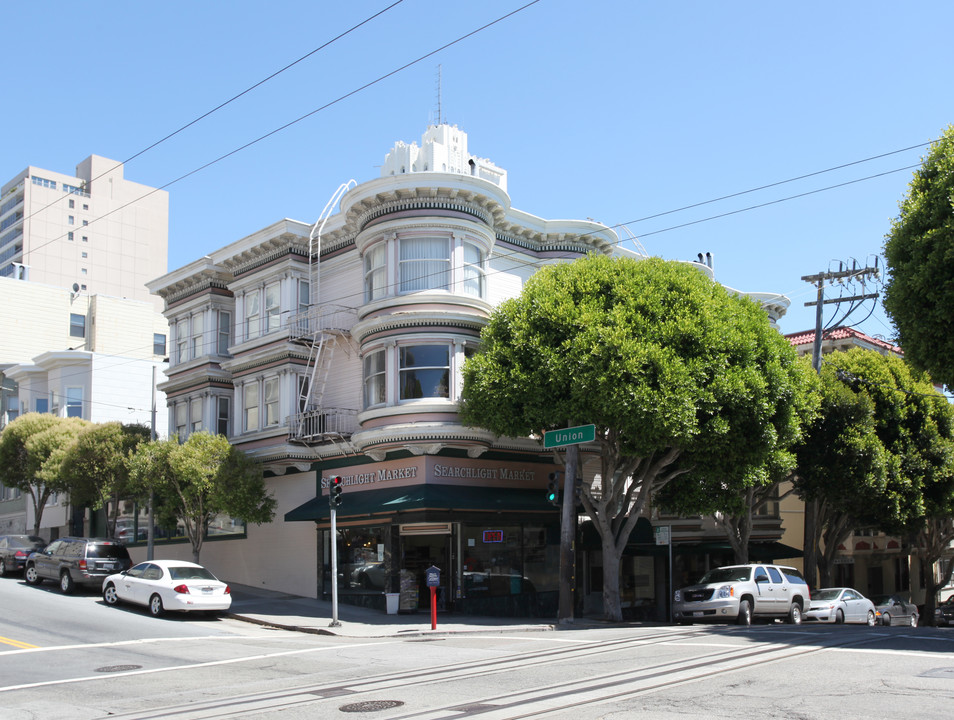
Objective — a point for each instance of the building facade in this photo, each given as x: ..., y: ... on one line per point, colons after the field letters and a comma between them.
x: 74, y: 355
x: 336, y: 349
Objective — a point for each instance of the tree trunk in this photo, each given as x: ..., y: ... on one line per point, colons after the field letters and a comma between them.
x: 612, y: 559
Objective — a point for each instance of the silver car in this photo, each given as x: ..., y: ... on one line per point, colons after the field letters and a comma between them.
x: 740, y: 593
x: 841, y: 605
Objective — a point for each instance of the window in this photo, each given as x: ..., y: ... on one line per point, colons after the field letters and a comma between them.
x: 222, y: 416
x: 41, y: 405
x: 271, y: 402
x: 85, y: 238
x: 251, y: 406
x: 69, y: 220
x: 198, y: 346
x: 374, y: 379
x: 224, y: 333
x: 375, y: 273
x: 182, y: 341
x: 424, y: 264
x: 82, y: 271
x: 304, y: 296
x: 273, y: 307
x: 74, y: 402
x: 424, y: 371
x: 473, y: 270
x: 84, y: 253
x: 72, y: 203
x: 181, y: 410
x: 252, y: 314
x: 43, y: 182
x: 195, y: 415
x: 77, y: 325
x: 69, y: 235
x: 85, y: 223
x: 158, y: 344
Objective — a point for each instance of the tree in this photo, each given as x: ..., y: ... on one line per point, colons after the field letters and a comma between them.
x: 682, y: 379
x: 843, y: 465
x: 96, y: 467
x: 31, y: 449
x: 195, y: 481
x: 893, y: 470
x: 919, y: 253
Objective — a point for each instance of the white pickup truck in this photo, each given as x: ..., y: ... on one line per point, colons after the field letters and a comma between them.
x: 740, y: 593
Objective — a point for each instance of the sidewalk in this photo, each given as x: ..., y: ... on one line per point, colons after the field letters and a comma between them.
x: 291, y: 612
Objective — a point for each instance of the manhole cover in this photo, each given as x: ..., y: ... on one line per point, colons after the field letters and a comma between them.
x: 371, y: 706
x: 118, y: 668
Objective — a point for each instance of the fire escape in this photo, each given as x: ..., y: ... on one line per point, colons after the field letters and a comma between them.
x: 324, y: 331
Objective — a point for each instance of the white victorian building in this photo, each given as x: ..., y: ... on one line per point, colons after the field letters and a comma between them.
x: 336, y: 349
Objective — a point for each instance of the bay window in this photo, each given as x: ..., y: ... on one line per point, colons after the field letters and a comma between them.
x: 250, y: 399
x: 253, y: 314
x: 223, y: 332
x: 375, y: 273
x: 374, y: 378
x: 273, y: 307
x: 424, y: 264
x: 198, y: 344
x: 423, y: 371
x: 271, y: 402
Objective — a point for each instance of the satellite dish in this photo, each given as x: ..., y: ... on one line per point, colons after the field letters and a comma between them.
x: 75, y: 287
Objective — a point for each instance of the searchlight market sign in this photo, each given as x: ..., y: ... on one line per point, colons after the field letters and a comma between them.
x: 569, y: 436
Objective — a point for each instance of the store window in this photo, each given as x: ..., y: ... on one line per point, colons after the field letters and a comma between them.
x: 424, y: 371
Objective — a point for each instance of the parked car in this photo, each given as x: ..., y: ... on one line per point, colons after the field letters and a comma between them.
x: 895, y: 610
x: 73, y: 561
x: 944, y: 613
x: 740, y: 593
x: 841, y: 605
x: 15, y: 549
x: 371, y: 576
x: 163, y: 585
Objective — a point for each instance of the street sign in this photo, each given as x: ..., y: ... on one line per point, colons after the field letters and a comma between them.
x: 662, y: 534
x: 569, y: 436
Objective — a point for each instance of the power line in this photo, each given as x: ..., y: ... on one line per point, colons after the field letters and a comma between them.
x: 222, y: 105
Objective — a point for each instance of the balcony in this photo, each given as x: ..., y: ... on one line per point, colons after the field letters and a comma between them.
x: 321, y: 424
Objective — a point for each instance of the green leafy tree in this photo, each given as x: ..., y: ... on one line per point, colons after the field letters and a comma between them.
x: 195, y: 481
x: 843, y: 466
x: 31, y: 449
x: 684, y: 381
x: 733, y: 505
x: 96, y: 468
x: 907, y: 485
x: 919, y: 252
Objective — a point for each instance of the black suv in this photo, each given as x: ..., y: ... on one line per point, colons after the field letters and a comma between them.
x: 76, y: 561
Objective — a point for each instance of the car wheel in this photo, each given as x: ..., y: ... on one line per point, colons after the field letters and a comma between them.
x: 839, y: 617
x: 155, y: 606
x: 914, y: 621
x: 109, y: 595
x: 795, y: 614
x: 886, y: 619
x: 745, y: 613
x: 66, y: 582
x: 3, y: 567
x: 30, y: 575
x: 871, y: 618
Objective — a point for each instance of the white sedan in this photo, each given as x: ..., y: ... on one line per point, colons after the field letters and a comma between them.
x: 164, y: 585
x: 840, y: 605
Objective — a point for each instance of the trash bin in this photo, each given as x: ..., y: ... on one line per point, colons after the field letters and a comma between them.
x: 392, y: 602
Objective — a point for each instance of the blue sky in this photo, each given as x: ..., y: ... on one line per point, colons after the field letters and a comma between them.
x: 615, y: 111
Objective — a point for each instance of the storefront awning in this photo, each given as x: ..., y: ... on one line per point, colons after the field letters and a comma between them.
x: 447, y: 498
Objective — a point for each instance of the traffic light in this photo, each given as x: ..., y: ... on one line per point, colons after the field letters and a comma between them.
x: 553, y: 489
x: 334, y: 490
x: 578, y: 488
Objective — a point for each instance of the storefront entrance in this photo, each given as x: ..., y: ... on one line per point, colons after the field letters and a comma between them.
x: 421, y: 548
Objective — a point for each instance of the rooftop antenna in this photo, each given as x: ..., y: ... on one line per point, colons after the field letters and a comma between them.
x: 440, y: 115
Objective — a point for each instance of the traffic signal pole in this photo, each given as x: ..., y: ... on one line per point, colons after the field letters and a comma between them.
x: 567, y: 536
x: 334, y: 499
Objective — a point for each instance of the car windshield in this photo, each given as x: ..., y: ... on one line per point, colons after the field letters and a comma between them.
x: 730, y: 574
x: 881, y: 599
x: 190, y: 573
x: 827, y: 594
x: 116, y: 552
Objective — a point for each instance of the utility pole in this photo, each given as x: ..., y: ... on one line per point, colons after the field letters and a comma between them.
x: 568, y: 535
x: 820, y: 280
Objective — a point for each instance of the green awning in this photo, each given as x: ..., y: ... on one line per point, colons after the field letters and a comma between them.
x: 387, y: 502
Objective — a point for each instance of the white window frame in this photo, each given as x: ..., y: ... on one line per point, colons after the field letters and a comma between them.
x: 71, y: 401
x: 253, y: 314
x: 425, y: 370
x: 250, y: 406
x: 182, y: 341
x: 375, y: 366
x: 273, y: 307
x: 376, y: 273
x: 223, y: 332
x: 222, y: 401
x: 198, y: 335
x: 271, y: 401
x: 195, y: 415
x: 181, y: 420
x: 420, y: 267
